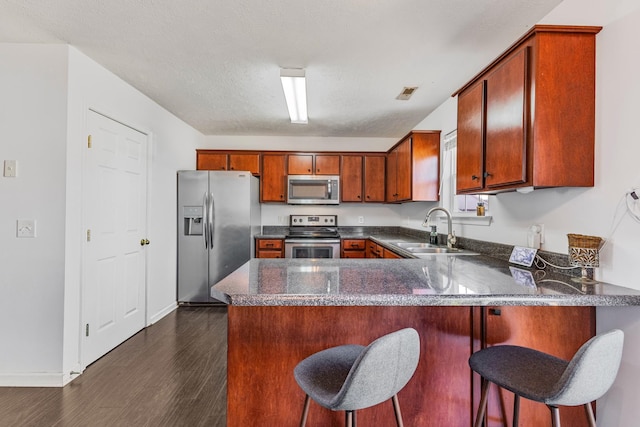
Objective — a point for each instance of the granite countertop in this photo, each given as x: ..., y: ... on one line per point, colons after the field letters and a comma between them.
x: 436, y: 280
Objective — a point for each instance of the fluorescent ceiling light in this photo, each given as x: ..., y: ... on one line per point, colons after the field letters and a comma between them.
x: 295, y: 93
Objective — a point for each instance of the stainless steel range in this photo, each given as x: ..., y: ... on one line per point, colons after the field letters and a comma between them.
x: 312, y: 236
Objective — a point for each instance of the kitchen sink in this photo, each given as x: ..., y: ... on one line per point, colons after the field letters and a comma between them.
x: 419, y: 249
x: 405, y: 245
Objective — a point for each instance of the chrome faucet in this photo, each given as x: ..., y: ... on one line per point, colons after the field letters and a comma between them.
x: 451, y: 237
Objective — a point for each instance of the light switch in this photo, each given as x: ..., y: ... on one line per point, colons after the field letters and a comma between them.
x: 26, y: 228
x: 10, y: 168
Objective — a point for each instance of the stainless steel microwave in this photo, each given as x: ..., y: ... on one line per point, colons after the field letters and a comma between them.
x: 313, y: 190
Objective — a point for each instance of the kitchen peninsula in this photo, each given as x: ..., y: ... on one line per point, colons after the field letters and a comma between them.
x: 282, y: 310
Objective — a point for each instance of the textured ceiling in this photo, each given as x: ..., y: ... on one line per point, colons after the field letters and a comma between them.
x: 216, y: 64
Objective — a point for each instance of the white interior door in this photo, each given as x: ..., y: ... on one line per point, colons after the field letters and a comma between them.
x: 114, y: 212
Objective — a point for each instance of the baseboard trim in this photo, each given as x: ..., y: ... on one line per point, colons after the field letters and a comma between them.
x: 159, y: 315
x: 34, y: 380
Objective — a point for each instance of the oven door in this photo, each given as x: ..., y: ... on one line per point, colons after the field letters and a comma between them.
x: 312, y: 248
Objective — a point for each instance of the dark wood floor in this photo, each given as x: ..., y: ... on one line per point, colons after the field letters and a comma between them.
x: 170, y: 374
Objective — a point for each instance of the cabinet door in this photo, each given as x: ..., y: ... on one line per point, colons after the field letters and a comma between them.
x: 506, y: 144
x: 300, y: 164
x: 327, y: 165
x: 470, y: 160
x: 391, y: 177
x: 245, y: 162
x: 559, y: 331
x: 351, y: 179
x: 273, y: 180
x: 211, y: 161
x: 374, y: 173
x: 404, y: 171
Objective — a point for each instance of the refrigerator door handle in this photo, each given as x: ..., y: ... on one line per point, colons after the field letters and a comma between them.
x: 212, y: 220
x: 205, y: 217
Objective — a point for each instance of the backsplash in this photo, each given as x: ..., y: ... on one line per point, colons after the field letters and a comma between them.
x: 495, y: 250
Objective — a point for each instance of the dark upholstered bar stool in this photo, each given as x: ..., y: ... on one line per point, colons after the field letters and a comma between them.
x: 544, y: 378
x: 352, y: 377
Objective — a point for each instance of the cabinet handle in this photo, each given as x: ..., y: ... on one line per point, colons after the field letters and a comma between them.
x: 368, y: 197
x: 269, y: 244
x: 495, y: 311
x: 308, y: 170
x: 359, y: 197
x: 487, y: 174
x: 474, y: 177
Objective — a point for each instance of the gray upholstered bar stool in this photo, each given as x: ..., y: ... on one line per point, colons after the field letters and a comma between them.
x: 544, y: 378
x: 352, y: 377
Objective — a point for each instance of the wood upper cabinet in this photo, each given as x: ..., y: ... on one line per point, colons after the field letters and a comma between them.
x: 273, y: 182
x: 374, y: 177
x: 351, y: 179
x: 362, y: 178
x: 313, y: 164
x: 228, y: 160
x: 528, y: 119
x: 413, y: 168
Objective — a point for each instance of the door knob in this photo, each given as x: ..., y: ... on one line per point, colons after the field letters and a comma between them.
x: 144, y: 242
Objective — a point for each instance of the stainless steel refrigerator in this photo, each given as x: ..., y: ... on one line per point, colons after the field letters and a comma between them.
x: 218, y: 215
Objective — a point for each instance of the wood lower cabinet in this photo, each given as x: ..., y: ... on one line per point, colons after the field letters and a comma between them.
x: 442, y: 391
x: 228, y: 160
x: 559, y: 331
x: 353, y: 248
x: 413, y: 168
x: 273, y: 182
x: 374, y: 250
x: 528, y: 119
x: 269, y: 248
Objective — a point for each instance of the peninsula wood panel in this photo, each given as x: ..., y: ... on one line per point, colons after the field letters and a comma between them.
x: 266, y: 343
x: 559, y: 331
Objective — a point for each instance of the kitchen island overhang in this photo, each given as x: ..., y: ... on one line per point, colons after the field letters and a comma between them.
x: 438, y: 280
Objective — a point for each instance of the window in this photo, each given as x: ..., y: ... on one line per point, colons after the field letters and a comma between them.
x: 457, y: 204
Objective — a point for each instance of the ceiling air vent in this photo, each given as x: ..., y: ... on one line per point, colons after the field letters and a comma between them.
x: 406, y: 93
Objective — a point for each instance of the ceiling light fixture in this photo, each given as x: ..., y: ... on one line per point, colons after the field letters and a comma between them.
x: 295, y: 92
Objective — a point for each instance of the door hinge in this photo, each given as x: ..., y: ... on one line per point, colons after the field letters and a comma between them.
x: 89, y: 141
x: 88, y: 235
x: 86, y: 330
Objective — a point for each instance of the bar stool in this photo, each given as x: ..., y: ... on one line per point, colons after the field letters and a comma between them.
x: 547, y: 379
x: 352, y: 377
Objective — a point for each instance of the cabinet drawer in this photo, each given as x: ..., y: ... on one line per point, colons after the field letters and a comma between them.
x: 270, y: 244
x: 269, y: 254
x: 353, y: 245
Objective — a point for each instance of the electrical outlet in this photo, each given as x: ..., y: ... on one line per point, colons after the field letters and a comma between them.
x: 360, y: 220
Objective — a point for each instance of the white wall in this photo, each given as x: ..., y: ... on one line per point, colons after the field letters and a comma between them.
x: 590, y: 211
x: 47, y: 90
x: 33, y: 84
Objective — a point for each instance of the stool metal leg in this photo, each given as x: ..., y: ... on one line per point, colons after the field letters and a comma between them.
x: 348, y: 418
x: 483, y: 403
x: 305, y: 411
x: 396, y: 410
x: 592, y: 419
x: 555, y: 416
x: 516, y: 410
